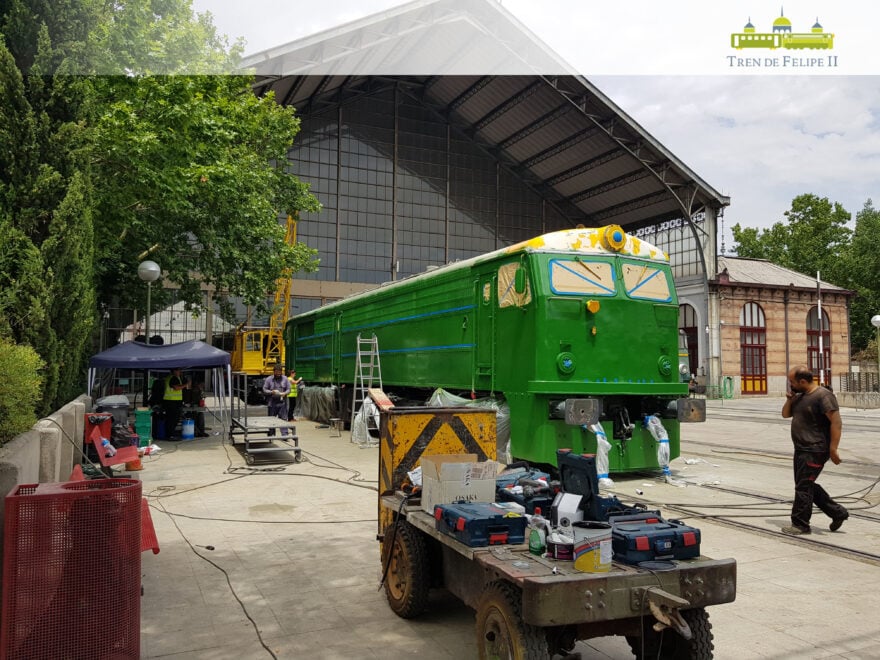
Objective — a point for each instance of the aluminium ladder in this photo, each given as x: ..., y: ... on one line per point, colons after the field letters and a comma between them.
x: 367, y: 374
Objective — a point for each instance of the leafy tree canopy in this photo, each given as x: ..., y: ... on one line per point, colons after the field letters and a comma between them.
x: 809, y: 240
x: 188, y: 176
x: 860, y: 262
x: 100, y: 172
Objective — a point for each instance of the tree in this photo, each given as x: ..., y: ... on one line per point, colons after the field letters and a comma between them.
x: 861, y: 265
x: 98, y: 172
x: 45, y: 213
x: 810, y: 240
x: 190, y: 177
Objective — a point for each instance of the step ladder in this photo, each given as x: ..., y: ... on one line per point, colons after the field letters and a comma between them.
x: 367, y: 374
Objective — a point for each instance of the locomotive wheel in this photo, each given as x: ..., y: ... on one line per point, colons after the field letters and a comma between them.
x: 407, y: 579
x: 501, y: 632
x: 669, y: 645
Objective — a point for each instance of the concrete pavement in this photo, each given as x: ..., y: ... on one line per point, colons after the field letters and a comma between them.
x: 281, y: 559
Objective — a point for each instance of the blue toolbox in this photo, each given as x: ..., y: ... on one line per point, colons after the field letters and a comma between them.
x: 479, y: 524
x: 647, y: 536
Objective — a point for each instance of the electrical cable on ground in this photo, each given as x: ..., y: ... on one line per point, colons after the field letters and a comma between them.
x: 228, y: 580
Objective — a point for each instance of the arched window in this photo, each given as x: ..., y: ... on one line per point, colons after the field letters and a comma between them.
x: 687, y: 323
x: 753, y: 349
x: 819, y: 361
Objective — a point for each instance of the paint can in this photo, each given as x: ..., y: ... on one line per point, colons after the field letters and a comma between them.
x: 592, y: 546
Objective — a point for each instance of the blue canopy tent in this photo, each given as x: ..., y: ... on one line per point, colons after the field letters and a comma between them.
x: 186, y: 355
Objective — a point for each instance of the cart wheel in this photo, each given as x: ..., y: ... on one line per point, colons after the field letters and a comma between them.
x: 297, y: 457
x: 501, y: 632
x: 408, y: 579
x: 669, y: 645
x: 249, y: 459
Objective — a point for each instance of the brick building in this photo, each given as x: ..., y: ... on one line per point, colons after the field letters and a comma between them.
x: 769, y: 320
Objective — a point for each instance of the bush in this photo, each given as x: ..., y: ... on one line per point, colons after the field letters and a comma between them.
x: 20, y: 386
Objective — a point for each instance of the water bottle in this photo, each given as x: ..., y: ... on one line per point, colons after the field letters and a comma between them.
x: 109, y: 450
x: 537, y: 533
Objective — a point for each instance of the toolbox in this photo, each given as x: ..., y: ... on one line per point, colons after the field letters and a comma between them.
x: 577, y: 473
x: 530, y: 497
x: 479, y: 524
x: 647, y: 536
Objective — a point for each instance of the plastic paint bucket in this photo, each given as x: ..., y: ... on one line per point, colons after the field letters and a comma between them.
x: 188, y: 429
x: 592, y: 546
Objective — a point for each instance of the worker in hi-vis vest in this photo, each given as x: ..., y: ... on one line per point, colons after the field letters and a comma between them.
x: 295, y: 385
x: 173, y: 401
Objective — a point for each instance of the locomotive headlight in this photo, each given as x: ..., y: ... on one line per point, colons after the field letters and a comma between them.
x: 565, y: 362
x: 664, y: 365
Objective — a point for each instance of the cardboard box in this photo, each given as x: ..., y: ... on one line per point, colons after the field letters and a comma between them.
x: 448, y: 478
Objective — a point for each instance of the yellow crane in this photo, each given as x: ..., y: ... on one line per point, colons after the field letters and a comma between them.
x: 257, y: 349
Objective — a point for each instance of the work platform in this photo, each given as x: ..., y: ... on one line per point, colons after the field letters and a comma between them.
x: 262, y: 432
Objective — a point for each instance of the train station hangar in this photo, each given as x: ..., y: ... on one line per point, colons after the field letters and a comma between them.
x: 443, y: 129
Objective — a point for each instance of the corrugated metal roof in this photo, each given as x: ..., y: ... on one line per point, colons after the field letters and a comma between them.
x: 761, y: 271
x: 553, y: 129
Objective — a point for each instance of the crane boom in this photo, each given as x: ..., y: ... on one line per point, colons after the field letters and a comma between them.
x: 257, y: 349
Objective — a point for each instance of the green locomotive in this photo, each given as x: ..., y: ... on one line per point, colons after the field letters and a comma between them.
x: 569, y: 328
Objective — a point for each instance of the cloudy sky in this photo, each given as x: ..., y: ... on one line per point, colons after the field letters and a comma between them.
x: 759, y: 134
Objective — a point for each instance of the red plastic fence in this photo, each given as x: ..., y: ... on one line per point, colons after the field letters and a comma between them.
x: 72, y: 571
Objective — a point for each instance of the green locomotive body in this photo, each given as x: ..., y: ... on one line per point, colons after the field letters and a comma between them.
x: 572, y: 318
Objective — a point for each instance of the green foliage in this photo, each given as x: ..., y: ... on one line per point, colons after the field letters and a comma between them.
x: 809, y: 240
x: 20, y: 384
x: 188, y: 177
x: 861, y: 265
x: 97, y: 172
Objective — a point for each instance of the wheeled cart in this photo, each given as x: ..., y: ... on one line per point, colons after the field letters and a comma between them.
x: 530, y: 607
x: 260, y: 433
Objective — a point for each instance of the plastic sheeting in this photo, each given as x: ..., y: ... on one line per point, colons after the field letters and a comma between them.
x: 317, y: 403
x: 655, y: 426
x: 602, y: 449
x: 443, y: 399
x: 362, y: 423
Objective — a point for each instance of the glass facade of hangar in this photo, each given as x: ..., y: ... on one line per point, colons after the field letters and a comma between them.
x: 402, y: 190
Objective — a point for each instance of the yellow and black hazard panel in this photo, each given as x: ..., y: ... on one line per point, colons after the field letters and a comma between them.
x: 407, y: 433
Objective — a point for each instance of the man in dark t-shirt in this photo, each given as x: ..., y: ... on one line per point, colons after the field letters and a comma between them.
x: 815, y: 432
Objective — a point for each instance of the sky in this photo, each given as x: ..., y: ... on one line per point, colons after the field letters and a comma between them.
x: 760, y: 126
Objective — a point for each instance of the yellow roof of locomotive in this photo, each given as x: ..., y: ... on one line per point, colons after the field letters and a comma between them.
x: 592, y: 240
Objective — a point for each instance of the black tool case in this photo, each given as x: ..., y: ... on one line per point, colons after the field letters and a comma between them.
x: 480, y: 524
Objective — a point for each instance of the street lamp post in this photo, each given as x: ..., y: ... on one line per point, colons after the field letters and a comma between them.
x: 875, y: 321
x: 149, y: 272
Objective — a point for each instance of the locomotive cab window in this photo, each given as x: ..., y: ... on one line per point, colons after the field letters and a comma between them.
x: 644, y: 281
x: 581, y: 277
x: 508, y: 291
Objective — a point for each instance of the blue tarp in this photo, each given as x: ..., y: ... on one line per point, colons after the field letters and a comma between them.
x: 136, y: 355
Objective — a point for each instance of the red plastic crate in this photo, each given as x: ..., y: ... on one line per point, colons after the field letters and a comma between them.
x: 72, y: 570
